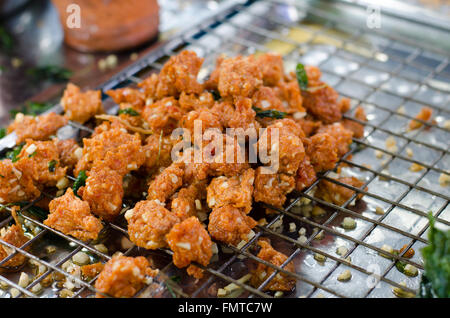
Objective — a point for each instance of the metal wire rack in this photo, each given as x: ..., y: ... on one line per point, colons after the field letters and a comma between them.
x: 392, y: 79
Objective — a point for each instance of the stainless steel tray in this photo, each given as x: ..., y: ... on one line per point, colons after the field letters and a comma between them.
x: 391, y: 77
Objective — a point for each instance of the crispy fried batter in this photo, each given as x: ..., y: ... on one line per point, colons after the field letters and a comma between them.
x: 36, y: 128
x: 230, y: 225
x: 103, y: 192
x: 16, y: 186
x: 123, y: 276
x: 190, y: 242
x: 148, y: 224
x: 80, y: 106
x: 281, y: 282
x: 72, y: 216
x: 337, y: 194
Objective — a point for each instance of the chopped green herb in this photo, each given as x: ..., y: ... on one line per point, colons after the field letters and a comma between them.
x: 2, y: 132
x: 31, y: 108
x: 15, y: 152
x: 32, y: 155
x: 128, y: 111
x: 269, y: 113
x: 436, y: 279
x: 302, y: 78
x: 50, y: 72
x: 6, y: 40
x: 52, y: 165
x: 80, y: 181
x: 176, y: 279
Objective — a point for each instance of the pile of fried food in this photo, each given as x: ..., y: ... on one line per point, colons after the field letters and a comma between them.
x: 129, y: 156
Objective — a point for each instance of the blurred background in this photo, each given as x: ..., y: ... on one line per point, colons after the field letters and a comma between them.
x: 35, y: 63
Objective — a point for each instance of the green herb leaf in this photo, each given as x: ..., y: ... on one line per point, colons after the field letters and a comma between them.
x: 52, y: 165
x: 6, y: 40
x: 32, y: 155
x: 436, y: 280
x: 80, y: 181
x: 31, y: 108
x: 269, y: 113
x: 15, y: 152
x: 2, y: 132
x: 128, y: 111
x: 50, y: 72
x: 302, y: 78
x: 176, y: 279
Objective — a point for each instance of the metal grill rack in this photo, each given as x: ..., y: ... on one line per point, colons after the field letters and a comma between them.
x: 392, y: 79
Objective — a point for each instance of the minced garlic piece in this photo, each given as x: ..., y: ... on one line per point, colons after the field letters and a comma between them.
x: 409, y: 152
x: 391, y: 144
x: 415, y: 167
x: 379, y: 210
x: 345, y: 276
x: 318, y: 211
x: 320, y: 258
x: 386, y: 248
x: 349, y: 223
x: 342, y: 251
x: 444, y: 180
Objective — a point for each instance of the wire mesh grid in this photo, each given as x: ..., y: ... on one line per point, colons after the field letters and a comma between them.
x: 391, y: 80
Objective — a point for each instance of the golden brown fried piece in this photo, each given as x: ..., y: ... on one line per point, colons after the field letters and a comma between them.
x: 281, y: 282
x: 179, y: 74
x: 163, y: 115
x: 103, y: 192
x: 424, y: 114
x: 230, y: 225
x: 234, y: 191
x: 80, y: 106
x: 72, y: 216
x: 148, y: 224
x: 305, y: 175
x: 123, y: 276
x: 272, y: 188
x: 322, y: 152
x: 341, y: 135
x: 190, y: 242
x: 92, y: 270
x: 16, y: 186
x: 114, y: 147
x: 134, y: 97
x: 287, y: 148
x: 187, y: 202
x: 14, y: 236
x: 321, y: 100
x: 166, y: 183
x: 239, y: 76
x: 40, y: 159
x: 36, y: 128
x: 337, y: 194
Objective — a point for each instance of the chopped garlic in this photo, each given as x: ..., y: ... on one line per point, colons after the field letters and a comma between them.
x: 410, y: 270
x: 342, y: 251
x: 24, y: 280
x: 14, y: 292
x: 379, y: 154
x: 292, y: 227
x: 345, y: 276
x: 379, y: 210
x: 31, y: 149
x: 391, y: 144
x: 36, y: 289
x: 279, y: 294
x: 302, y: 231
x: 320, y: 258
x: 318, y: 211
x: 101, y: 248
x: 349, y: 223
x: 386, y: 248
x: 81, y: 258
x: 184, y: 245
x: 221, y: 292
x: 415, y: 167
x: 409, y: 152
x: 399, y: 292
x: 302, y: 239
x: 65, y: 293
x: 62, y: 183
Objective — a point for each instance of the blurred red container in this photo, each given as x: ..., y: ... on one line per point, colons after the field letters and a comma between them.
x: 108, y: 25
